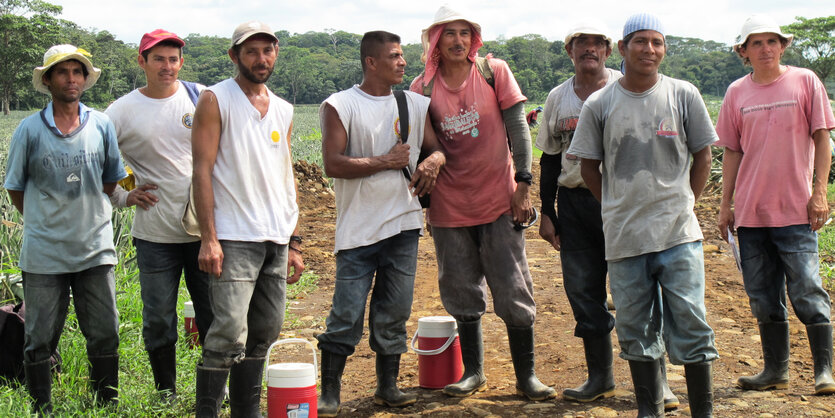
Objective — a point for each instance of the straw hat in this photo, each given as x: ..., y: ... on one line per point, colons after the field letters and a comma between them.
x: 61, y: 53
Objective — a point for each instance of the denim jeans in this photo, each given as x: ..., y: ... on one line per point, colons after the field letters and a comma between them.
x: 678, y: 309
x: 160, y: 267
x: 493, y: 253
x: 774, y: 259
x: 47, y: 299
x: 247, y: 301
x: 583, y: 258
x: 393, y: 261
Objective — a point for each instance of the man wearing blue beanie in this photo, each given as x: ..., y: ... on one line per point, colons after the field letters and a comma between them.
x: 644, y: 130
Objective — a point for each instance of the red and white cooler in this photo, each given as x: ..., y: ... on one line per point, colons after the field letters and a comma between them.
x: 439, y: 352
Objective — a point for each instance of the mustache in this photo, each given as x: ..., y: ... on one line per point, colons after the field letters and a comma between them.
x: 458, y: 48
x: 592, y: 56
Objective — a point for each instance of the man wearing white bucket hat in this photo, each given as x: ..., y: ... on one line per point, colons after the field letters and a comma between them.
x: 62, y: 164
x: 644, y: 130
x: 245, y: 196
x: 379, y: 218
x: 479, y: 206
x: 775, y: 123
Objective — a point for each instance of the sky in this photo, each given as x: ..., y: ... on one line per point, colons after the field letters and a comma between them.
x: 716, y: 20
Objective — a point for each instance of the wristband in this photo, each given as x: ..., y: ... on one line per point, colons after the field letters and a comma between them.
x: 523, y: 176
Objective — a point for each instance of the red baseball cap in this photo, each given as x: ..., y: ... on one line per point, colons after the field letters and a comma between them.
x: 152, y: 38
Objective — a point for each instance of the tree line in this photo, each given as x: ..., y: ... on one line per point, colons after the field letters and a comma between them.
x: 313, y: 65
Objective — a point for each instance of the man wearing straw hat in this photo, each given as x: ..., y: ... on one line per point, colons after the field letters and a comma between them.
x: 62, y: 164
x: 645, y: 129
x: 774, y: 124
x: 153, y: 124
x: 481, y: 201
x: 245, y: 197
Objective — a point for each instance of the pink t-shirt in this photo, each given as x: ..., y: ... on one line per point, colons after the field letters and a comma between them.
x: 772, y: 125
x: 476, y: 184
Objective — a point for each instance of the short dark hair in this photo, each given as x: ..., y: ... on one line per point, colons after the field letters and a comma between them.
x: 166, y: 42
x: 236, y: 49
x: 48, y: 74
x: 373, y: 41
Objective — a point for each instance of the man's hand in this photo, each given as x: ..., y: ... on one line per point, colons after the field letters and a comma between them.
x: 549, y: 233
x: 726, y: 221
x: 424, y: 177
x: 210, y: 258
x: 141, y: 197
x: 295, y: 262
x: 818, y: 210
x: 520, y: 204
x: 397, y: 157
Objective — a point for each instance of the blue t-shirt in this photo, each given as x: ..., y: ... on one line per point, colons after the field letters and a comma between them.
x: 66, y: 214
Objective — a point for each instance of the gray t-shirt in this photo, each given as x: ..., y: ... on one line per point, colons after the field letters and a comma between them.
x: 645, y: 141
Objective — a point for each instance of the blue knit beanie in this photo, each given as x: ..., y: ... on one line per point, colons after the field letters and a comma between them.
x: 642, y: 21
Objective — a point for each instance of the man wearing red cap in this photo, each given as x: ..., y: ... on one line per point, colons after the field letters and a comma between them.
x: 153, y: 125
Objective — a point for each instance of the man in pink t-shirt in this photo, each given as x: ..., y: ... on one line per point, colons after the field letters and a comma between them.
x: 774, y: 124
x: 481, y: 197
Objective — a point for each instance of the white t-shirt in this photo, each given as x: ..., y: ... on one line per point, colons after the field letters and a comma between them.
x: 645, y: 141
x: 155, y: 140
x: 373, y: 208
x: 253, y: 183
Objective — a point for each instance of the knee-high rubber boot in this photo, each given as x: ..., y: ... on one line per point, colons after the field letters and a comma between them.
x: 472, y: 354
x: 700, y: 388
x: 646, y: 377
x: 775, y: 374
x: 210, y: 386
x: 164, y: 365
x: 332, y: 367
x: 670, y: 400
x: 522, y: 353
x: 39, y: 384
x: 104, y: 377
x: 245, y: 388
x: 601, y: 381
x: 387, y: 393
x: 820, y: 341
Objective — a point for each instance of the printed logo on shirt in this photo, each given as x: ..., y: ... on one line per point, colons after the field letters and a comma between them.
x: 397, y: 128
x: 667, y: 128
x: 275, y: 136
x: 72, y: 178
x: 567, y: 124
x: 188, y: 119
x: 769, y: 106
x: 464, y: 123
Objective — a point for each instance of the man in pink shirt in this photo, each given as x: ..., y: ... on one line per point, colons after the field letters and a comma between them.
x: 481, y: 197
x: 774, y: 124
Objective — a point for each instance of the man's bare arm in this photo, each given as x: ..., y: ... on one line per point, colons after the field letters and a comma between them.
x: 17, y: 199
x: 730, y: 169
x: 590, y: 171
x: 699, y: 171
x: 205, y: 139
x: 818, y: 207
x: 426, y: 174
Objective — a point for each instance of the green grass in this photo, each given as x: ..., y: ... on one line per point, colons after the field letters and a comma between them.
x: 826, y: 246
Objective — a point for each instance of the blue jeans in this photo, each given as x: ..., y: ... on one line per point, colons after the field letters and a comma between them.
x: 677, y: 310
x: 774, y: 259
x: 47, y: 299
x: 247, y: 301
x: 393, y: 261
x: 583, y: 258
x: 160, y: 267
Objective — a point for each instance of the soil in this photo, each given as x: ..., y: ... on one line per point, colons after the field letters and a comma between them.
x: 560, y: 360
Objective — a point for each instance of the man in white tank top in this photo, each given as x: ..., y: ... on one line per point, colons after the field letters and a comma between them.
x: 245, y: 197
x: 379, y: 218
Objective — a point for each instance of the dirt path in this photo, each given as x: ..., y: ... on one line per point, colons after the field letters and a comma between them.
x: 560, y: 360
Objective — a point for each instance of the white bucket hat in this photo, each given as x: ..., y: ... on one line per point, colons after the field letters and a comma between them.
x: 61, y: 53
x: 759, y: 24
x: 587, y: 28
x: 444, y: 15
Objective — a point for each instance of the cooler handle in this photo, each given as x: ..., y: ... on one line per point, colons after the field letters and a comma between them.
x: 288, y: 341
x: 436, y: 351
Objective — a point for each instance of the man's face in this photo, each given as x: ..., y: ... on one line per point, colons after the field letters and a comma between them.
x: 455, y: 41
x: 764, y: 50
x: 66, y: 81
x: 163, y: 64
x: 256, y: 58
x: 390, y: 64
x: 644, y: 52
x: 589, y: 53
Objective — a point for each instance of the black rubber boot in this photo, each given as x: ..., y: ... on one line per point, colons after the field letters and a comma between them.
x: 39, y: 384
x: 649, y: 394
x: 387, y: 393
x: 521, y: 351
x: 775, y: 375
x: 820, y: 341
x: 164, y: 365
x: 332, y: 367
x: 472, y: 354
x: 670, y: 400
x: 210, y: 385
x: 104, y: 377
x: 700, y: 388
x: 245, y: 380
x: 601, y: 381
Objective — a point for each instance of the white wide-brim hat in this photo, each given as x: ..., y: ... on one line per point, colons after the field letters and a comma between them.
x: 759, y: 24
x: 61, y: 53
x: 444, y: 15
